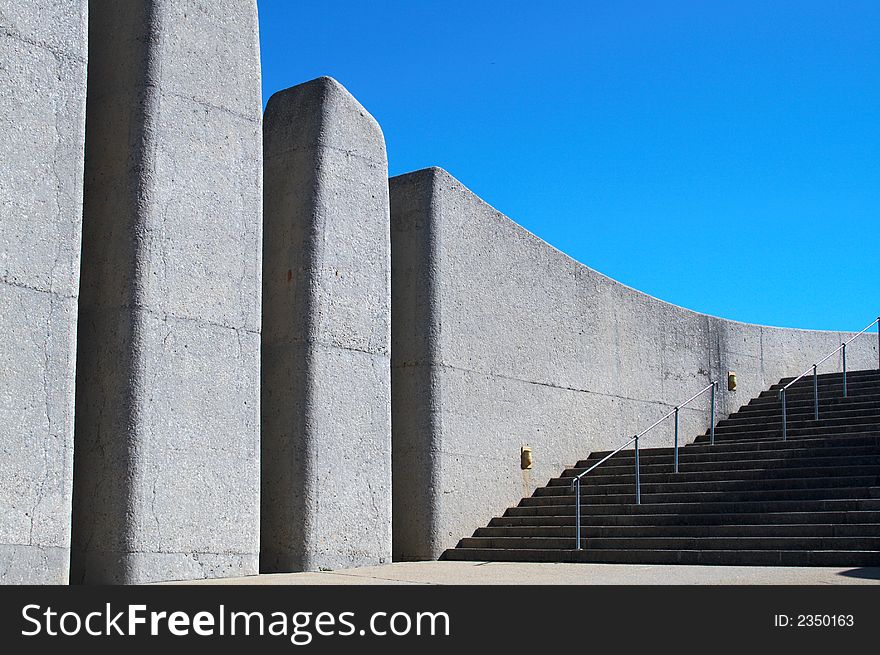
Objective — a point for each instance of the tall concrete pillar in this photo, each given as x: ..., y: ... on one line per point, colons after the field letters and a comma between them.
x: 166, y: 480
x: 326, y: 380
x: 42, y: 122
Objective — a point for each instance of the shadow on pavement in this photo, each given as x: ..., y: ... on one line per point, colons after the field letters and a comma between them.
x: 867, y: 573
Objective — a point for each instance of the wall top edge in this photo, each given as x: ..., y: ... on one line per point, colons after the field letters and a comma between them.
x: 437, y: 176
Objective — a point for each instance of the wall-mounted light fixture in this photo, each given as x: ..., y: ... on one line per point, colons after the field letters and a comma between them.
x: 525, y: 458
x: 731, y: 380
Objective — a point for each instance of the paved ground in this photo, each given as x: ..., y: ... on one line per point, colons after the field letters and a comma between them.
x: 501, y: 573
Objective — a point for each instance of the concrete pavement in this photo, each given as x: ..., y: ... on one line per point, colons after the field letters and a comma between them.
x: 517, y: 573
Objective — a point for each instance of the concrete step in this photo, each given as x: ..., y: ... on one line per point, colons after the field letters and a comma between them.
x: 685, y: 531
x: 773, y: 436
x: 824, y: 422
x: 800, y: 430
x: 678, y: 543
x: 805, y: 408
x: 811, y: 473
x: 749, y: 449
x: 831, y: 414
x: 862, y: 394
x: 708, y: 557
x: 836, y: 382
x: 597, y: 498
x: 614, y: 468
x: 695, y: 506
x: 748, y: 445
x: 773, y: 429
x: 714, y: 519
x: 701, y: 486
x: 806, y: 383
x: 773, y: 411
x: 829, y: 388
x: 832, y: 376
x: 770, y: 459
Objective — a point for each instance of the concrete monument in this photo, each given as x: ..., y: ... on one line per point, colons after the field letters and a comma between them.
x: 42, y: 122
x: 167, y: 426
x: 326, y: 379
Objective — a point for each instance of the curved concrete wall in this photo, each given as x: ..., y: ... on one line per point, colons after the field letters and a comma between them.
x: 500, y: 341
x: 166, y: 479
x: 42, y: 123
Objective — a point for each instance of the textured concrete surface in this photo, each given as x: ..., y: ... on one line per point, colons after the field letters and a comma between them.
x: 326, y: 378
x: 499, y: 341
x: 166, y: 480
x: 515, y: 573
x: 42, y: 121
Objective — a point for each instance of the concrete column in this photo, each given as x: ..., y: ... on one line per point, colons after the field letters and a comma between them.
x: 42, y: 122
x: 326, y: 387
x: 167, y: 428
x: 415, y: 333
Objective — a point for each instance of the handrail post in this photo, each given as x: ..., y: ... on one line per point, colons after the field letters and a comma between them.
x: 816, y: 392
x: 844, y: 370
x: 638, y: 482
x: 784, y: 418
x: 676, y: 441
x: 577, y: 512
x: 712, y: 417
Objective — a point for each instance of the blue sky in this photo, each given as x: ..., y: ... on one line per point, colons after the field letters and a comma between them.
x: 723, y: 156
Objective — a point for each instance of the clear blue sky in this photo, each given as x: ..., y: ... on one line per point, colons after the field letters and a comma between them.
x: 723, y: 156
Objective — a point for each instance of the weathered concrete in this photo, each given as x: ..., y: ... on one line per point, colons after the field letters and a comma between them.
x: 541, y: 573
x: 326, y: 377
x: 167, y: 427
x: 42, y: 122
x: 499, y: 341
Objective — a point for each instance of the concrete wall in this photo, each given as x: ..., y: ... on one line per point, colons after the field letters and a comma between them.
x: 42, y: 122
x: 499, y: 341
x: 326, y: 378
x: 167, y: 427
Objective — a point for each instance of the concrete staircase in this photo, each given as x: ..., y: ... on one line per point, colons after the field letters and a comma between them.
x: 751, y: 499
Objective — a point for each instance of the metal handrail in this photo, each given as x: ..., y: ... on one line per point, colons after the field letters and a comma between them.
x: 814, y: 369
x: 576, y: 482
